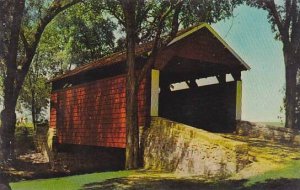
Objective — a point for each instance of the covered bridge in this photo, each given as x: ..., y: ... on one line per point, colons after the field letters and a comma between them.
x: 88, y: 103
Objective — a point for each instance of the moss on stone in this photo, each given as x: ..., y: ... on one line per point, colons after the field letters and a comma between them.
x: 175, y: 147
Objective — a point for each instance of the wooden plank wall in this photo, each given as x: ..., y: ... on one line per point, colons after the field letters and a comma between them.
x: 94, y: 113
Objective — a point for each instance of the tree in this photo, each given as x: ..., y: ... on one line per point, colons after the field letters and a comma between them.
x: 285, y: 21
x: 132, y: 133
x: 35, y: 93
x: 86, y: 33
x: 77, y: 36
x: 17, y: 57
x: 146, y: 21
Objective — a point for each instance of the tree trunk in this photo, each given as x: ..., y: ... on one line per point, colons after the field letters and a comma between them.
x: 132, y: 132
x: 8, y: 122
x: 33, y: 112
x: 33, y: 109
x: 8, y: 115
x: 291, y: 87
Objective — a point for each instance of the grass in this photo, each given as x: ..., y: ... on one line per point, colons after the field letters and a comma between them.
x: 274, y: 166
x: 138, y: 180
x: 291, y: 170
x: 68, y: 183
x: 275, y: 124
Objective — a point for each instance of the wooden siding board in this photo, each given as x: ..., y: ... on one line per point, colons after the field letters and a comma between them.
x: 94, y: 113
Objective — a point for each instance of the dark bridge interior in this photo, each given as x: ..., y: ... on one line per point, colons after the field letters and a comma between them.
x: 210, y: 107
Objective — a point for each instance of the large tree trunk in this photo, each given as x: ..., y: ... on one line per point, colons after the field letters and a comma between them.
x: 132, y: 132
x: 8, y: 115
x: 291, y: 68
x: 8, y: 119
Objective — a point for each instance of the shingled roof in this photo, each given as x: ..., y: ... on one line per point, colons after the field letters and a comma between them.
x: 143, y: 49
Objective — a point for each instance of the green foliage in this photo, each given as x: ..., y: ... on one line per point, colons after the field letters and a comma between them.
x: 149, y: 13
x: 78, y: 35
x: 36, y: 90
x: 195, y: 11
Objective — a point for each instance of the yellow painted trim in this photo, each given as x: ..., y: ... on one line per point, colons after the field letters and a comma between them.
x: 187, y: 33
x: 154, y: 92
x: 239, y: 89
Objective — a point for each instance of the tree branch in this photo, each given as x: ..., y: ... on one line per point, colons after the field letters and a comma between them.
x: 14, y: 34
x: 175, y: 22
x: 141, y: 13
x: 288, y: 7
x: 25, y: 42
x: 295, y: 32
x: 154, y: 52
x: 56, y: 8
x: 277, y: 19
x: 114, y: 13
x: 149, y: 30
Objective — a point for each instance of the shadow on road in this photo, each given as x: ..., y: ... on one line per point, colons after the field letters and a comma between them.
x: 190, y: 184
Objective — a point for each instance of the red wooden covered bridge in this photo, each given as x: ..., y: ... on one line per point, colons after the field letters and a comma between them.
x: 88, y: 103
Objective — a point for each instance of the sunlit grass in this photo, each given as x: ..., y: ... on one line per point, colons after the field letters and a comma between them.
x: 68, y: 183
x: 275, y: 124
x: 291, y: 170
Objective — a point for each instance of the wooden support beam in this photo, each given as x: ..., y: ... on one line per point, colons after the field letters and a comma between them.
x: 154, y: 92
x: 191, y: 83
x: 238, y: 109
x: 236, y: 76
x: 221, y: 78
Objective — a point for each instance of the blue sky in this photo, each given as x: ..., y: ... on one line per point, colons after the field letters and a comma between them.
x: 250, y: 35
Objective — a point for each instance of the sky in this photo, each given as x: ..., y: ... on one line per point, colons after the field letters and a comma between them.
x: 249, y: 34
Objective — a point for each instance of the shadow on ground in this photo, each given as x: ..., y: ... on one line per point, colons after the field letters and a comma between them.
x: 190, y: 184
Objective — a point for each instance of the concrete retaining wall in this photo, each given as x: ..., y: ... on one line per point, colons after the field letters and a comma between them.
x: 174, y: 147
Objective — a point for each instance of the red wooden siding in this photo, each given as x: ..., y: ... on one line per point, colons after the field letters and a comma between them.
x: 94, y: 113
